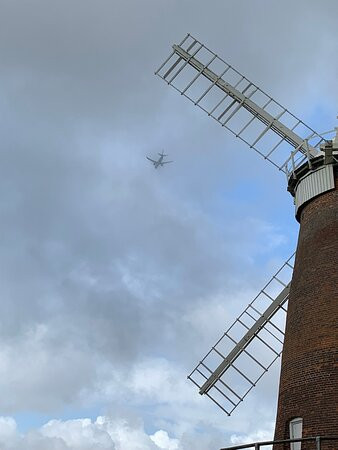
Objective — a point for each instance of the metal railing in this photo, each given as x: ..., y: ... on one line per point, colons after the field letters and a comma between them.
x: 258, y: 445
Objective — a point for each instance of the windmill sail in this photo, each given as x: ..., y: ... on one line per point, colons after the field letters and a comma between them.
x: 248, y: 348
x: 239, y: 105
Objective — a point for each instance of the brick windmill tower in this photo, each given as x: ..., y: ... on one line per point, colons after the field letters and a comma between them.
x: 308, y: 391
x: 304, y: 291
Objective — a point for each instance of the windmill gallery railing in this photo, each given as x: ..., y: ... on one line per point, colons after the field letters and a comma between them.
x: 318, y: 443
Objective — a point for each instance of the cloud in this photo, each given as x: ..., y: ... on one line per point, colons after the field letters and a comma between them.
x: 116, y: 278
x: 162, y: 440
x: 85, y: 434
x: 258, y: 435
x: 104, y: 433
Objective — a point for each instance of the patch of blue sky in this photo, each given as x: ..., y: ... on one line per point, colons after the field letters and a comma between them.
x: 268, y: 213
x: 245, y: 192
x: 256, y: 196
x: 321, y: 116
x: 29, y: 420
x: 151, y: 424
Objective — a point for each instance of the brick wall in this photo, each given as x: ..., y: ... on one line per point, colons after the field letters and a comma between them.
x: 309, y: 374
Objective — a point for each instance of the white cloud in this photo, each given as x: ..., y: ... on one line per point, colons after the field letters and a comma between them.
x: 162, y: 440
x: 104, y: 433
x: 110, y: 433
x: 258, y: 435
x: 115, y: 278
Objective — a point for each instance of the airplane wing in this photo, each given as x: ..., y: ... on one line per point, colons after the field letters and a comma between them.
x: 151, y: 159
x: 167, y: 162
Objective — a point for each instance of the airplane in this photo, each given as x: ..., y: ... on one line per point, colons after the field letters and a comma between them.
x: 160, y: 161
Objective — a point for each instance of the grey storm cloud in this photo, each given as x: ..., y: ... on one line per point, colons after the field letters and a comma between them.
x: 104, y: 261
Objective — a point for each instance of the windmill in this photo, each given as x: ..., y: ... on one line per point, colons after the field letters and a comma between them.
x: 303, y: 292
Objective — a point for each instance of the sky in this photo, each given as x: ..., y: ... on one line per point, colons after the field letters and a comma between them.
x: 116, y: 278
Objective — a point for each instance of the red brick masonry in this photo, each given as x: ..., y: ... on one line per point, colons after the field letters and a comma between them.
x: 309, y: 374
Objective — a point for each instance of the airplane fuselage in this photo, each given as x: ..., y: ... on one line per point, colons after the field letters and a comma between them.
x: 160, y: 161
